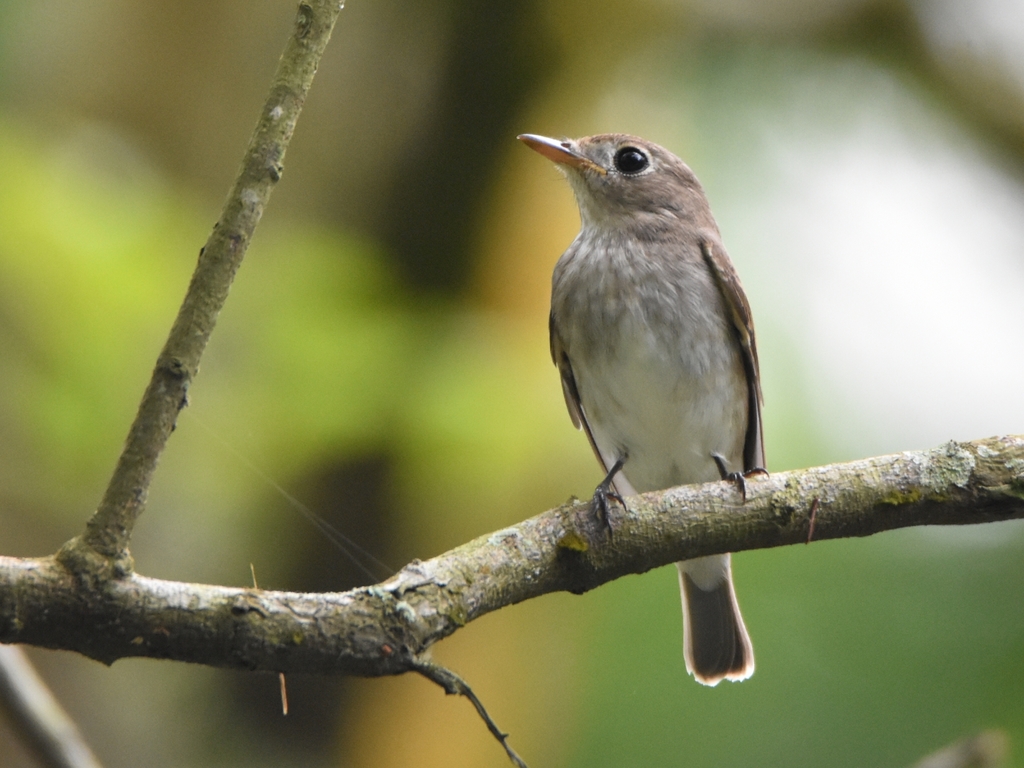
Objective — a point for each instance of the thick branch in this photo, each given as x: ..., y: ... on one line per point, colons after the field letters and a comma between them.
x: 380, y: 630
x: 110, y: 528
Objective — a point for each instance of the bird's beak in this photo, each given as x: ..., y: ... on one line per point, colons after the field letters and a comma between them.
x: 561, y: 152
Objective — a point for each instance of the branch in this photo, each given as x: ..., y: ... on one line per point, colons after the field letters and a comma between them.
x: 384, y: 629
x: 102, y: 550
x: 101, y: 555
x: 41, y: 721
x: 454, y: 685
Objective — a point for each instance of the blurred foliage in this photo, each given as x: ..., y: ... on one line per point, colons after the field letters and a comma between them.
x: 383, y: 356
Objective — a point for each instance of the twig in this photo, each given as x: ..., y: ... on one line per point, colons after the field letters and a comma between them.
x: 284, y: 693
x: 280, y: 675
x: 813, y: 518
x: 102, y: 550
x: 38, y: 716
x: 455, y: 685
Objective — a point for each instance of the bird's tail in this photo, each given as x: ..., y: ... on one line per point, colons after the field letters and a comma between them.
x: 716, y: 645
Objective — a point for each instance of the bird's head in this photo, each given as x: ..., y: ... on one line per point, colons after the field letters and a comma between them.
x: 623, y: 181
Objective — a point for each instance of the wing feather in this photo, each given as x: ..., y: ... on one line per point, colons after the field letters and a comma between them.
x: 571, y: 390
x: 736, y: 303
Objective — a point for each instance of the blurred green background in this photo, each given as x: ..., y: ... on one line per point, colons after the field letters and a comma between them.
x: 383, y: 356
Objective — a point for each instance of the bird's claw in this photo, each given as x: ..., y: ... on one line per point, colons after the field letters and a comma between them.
x: 600, y: 505
x: 740, y: 478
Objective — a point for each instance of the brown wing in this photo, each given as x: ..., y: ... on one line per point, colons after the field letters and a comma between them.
x: 739, y: 311
x: 569, y: 388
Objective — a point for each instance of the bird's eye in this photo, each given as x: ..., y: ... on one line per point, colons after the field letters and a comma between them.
x: 630, y: 160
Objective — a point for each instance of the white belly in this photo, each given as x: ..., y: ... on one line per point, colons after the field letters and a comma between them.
x: 643, y: 402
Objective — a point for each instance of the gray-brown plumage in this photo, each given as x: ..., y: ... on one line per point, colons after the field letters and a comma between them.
x: 653, y: 338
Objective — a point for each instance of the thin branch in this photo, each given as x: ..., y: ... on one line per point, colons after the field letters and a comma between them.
x: 102, y: 550
x: 38, y: 716
x: 377, y: 630
x: 454, y: 685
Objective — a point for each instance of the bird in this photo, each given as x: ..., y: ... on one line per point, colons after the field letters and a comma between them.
x: 653, y: 338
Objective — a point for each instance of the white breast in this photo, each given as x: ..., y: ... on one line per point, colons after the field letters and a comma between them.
x: 658, y: 370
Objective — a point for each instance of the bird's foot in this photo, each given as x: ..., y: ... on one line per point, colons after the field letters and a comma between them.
x: 740, y: 478
x: 604, y: 494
